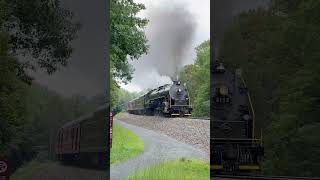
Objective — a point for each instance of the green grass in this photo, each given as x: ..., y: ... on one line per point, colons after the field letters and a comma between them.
x: 119, y: 115
x: 125, y: 144
x: 181, y: 169
x: 28, y: 169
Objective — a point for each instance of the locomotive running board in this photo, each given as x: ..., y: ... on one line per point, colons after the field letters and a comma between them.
x: 175, y: 114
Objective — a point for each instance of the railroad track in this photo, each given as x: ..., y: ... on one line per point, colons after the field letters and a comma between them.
x: 261, y: 177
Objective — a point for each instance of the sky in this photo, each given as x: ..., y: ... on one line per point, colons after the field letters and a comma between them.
x: 163, y: 31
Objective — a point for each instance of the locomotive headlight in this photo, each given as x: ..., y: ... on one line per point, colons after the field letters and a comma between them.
x: 179, y: 90
x: 223, y: 90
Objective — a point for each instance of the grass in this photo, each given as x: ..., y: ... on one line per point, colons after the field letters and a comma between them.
x: 28, y: 169
x: 119, y: 115
x: 125, y: 144
x: 182, y: 169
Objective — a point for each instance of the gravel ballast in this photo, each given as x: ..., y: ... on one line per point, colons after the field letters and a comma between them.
x: 195, y: 132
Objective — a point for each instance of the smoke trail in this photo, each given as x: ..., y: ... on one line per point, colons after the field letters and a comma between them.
x: 170, y: 33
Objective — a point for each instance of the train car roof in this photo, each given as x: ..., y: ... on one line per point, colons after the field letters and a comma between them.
x: 85, y: 117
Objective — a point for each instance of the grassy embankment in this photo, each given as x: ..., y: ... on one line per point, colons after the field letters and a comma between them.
x: 119, y: 115
x: 172, y: 170
x: 125, y: 144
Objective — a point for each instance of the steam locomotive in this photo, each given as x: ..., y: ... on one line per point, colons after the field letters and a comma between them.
x: 167, y: 100
x: 234, y: 146
x: 84, y: 141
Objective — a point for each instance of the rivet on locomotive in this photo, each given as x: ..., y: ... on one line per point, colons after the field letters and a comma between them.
x: 234, y: 146
x: 167, y: 100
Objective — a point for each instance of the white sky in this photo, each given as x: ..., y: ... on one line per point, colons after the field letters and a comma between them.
x: 200, y: 9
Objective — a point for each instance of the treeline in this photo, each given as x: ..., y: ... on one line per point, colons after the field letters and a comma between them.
x: 39, y: 113
x: 47, y: 111
x: 120, y: 99
x: 278, y: 50
x: 34, y: 35
x: 197, y: 78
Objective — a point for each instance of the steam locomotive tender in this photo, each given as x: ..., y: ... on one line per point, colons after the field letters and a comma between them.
x: 84, y: 141
x: 234, y: 147
x: 167, y: 100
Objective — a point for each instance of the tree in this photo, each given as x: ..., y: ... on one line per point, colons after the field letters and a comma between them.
x: 277, y: 49
x: 128, y: 41
x: 39, y: 33
x: 197, y: 78
x: 127, y: 37
x: 40, y: 29
x: 12, y: 106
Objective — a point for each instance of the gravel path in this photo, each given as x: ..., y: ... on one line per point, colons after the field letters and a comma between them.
x: 195, y: 132
x: 158, y: 148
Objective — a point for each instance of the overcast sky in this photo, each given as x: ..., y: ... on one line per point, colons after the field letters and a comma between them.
x: 149, y: 74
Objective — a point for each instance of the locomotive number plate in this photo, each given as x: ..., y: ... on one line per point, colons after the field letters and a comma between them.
x: 222, y: 100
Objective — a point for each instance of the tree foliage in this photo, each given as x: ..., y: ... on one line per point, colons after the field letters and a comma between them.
x: 41, y: 30
x: 128, y: 41
x: 33, y: 34
x: 197, y: 78
x: 278, y: 50
x: 12, y: 105
x: 127, y: 37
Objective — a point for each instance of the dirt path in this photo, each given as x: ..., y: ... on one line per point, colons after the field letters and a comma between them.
x: 158, y: 148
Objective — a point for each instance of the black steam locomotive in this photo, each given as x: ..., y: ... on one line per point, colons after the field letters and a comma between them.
x: 234, y: 147
x: 167, y: 100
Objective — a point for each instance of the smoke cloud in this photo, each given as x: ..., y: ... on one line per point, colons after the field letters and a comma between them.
x: 175, y: 28
x: 170, y: 33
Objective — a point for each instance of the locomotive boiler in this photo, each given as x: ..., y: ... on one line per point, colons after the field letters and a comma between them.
x: 234, y: 146
x: 167, y: 100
